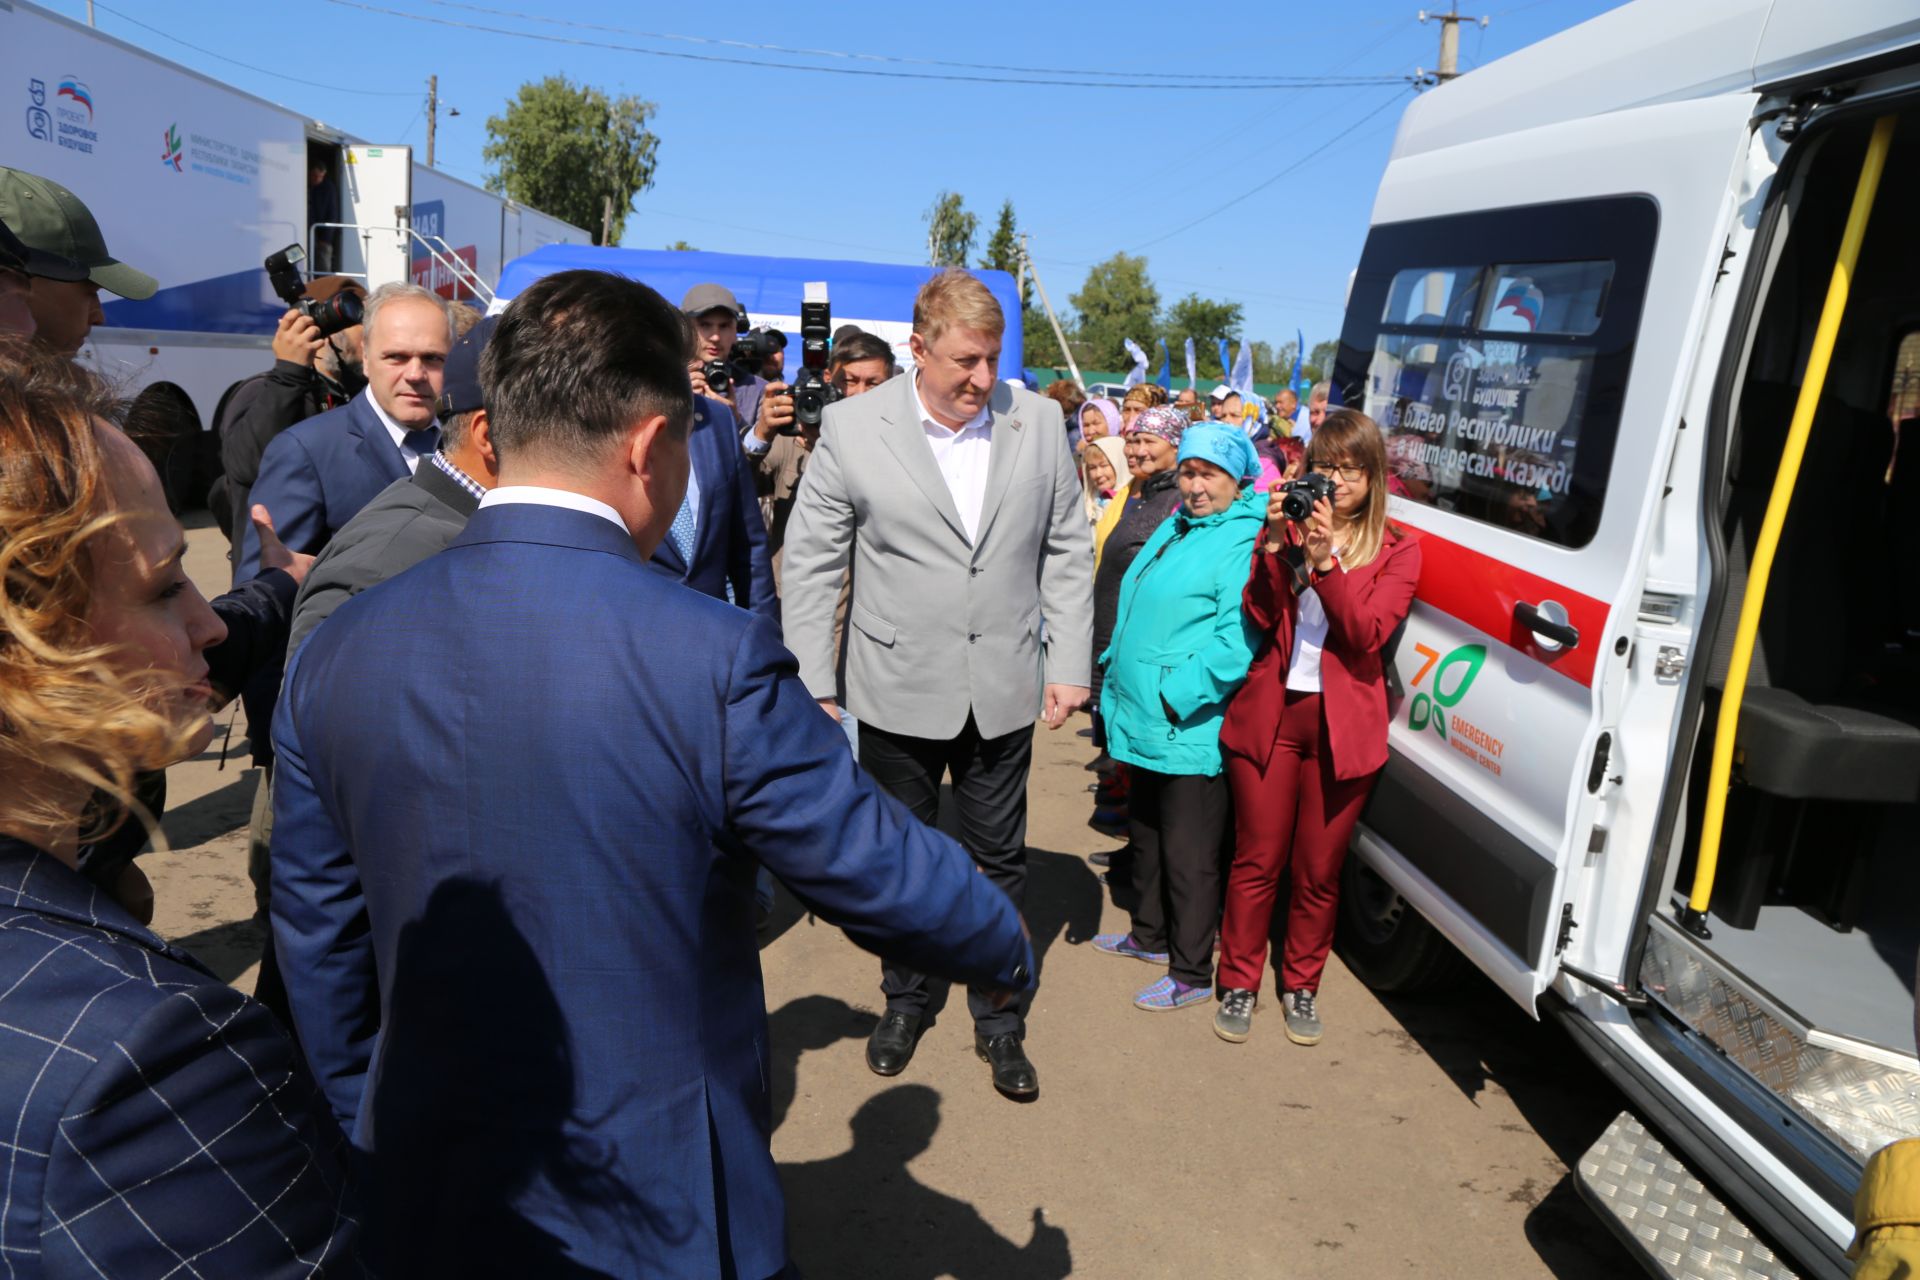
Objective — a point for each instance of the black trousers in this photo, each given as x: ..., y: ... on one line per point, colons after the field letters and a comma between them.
x: 1176, y: 822
x: 990, y: 793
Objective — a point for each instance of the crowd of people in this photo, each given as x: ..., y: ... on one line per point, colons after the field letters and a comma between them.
x: 536, y: 628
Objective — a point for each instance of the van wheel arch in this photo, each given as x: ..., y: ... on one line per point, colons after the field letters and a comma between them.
x: 1386, y: 943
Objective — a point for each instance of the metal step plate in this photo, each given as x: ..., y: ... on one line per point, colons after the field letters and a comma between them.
x: 1678, y: 1227
x: 1861, y: 1097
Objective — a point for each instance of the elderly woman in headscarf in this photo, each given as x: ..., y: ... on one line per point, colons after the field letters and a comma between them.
x: 1099, y: 417
x: 1103, y: 476
x: 1180, y: 650
x: 1123, y: 528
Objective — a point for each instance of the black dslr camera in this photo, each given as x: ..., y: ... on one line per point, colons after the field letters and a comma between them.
x: 342, y: 311
x: 812, y: 393
x: 755, y: 347
x: 750, y: 351
x: 1298, y: 496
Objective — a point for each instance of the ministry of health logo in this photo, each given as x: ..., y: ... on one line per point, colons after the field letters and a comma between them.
x: 170, y: 151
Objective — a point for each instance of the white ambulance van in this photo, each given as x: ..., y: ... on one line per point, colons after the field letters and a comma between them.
x: 195, y: 183
x: 1588, y: 317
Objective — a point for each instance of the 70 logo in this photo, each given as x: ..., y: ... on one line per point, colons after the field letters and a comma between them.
x: 1460, y: 666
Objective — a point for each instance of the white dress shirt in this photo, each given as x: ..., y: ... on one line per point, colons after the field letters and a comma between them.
x: 962, y: 457
x: 1309, y: 642
x: 539, y: 496
x: 408, y: 453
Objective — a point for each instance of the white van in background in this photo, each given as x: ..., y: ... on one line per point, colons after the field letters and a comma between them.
x: 1583, y: 316
x: 195, y: 183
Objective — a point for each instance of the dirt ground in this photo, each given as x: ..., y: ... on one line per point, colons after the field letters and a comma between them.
x: 1427, y: 1137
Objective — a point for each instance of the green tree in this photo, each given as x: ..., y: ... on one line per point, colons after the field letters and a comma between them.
x: 572, y: 151
x: 1003, y: 252
x: 1318, y: 365
x: 1041, y: 348
x: 950, y: 230
x: 1206, y: 322
x: 1117, y: 301
x: 681, y: 246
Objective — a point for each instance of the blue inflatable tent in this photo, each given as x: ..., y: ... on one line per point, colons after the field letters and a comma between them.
x: 877, y: 296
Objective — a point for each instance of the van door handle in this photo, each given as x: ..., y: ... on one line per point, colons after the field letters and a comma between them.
x: 1548, y: 622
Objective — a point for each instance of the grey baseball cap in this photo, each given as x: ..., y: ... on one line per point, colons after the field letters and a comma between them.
x: 48, y: 217
x: 703, y: 298
x: 17, y: 255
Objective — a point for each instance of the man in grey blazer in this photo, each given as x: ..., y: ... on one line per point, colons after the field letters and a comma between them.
x: 416, y: 516
x: 955, y: 499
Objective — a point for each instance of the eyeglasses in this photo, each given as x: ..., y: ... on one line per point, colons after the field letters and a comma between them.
x: 1344, y: 471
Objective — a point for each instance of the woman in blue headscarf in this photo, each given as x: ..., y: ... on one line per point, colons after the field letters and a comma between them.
x: 1181, y: 648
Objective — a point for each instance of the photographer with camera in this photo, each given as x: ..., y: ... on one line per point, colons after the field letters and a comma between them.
x: 728, y: 358
x: 1306, y: 736
x: 854, y: 367
x: 317, y: 366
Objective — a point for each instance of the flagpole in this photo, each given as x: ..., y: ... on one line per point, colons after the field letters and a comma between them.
x: 1059, y: 334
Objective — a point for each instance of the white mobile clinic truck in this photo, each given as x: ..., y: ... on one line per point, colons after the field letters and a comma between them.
x: 195, y: 183
x: 1639, y: 310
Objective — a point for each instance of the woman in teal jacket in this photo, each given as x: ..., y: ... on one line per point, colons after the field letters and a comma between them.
x: 1181, y: 647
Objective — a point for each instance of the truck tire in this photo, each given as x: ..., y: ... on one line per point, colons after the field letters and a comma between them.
x: 1385, y: 942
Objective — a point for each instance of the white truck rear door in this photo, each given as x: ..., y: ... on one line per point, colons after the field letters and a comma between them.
x: 379, y: 203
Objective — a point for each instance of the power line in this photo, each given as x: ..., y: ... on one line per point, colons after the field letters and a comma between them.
x: 1250, y: 192
x: 278, y: 75
x: 1053, y: 82
x: 759, y: 47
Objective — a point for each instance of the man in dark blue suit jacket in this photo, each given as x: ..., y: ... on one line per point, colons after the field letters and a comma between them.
x: 316, y: 475
x: 722, y: 522
x: 521, y: 789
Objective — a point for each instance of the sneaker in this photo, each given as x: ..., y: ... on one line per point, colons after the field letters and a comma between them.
x: 1168, y: 994
x: 1101, y: 858
x: 1122, y: 944
x: 1303, y: 1023
x: 1233, y: 1020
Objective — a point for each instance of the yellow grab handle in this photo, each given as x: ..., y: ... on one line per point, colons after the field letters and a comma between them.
x: 1721, y: 771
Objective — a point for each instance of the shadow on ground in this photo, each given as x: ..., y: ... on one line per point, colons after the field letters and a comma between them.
x: 864, y: 1213
x: 228, y: 949
x: 1482, y: 1040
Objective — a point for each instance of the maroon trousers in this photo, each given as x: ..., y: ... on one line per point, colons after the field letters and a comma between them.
x: 1296, y: 814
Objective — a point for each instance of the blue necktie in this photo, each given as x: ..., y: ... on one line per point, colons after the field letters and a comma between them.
x: 423, y: 442
x: 682, y: 531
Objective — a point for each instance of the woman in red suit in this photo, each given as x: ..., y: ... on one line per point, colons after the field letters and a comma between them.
x: 1306, y: 736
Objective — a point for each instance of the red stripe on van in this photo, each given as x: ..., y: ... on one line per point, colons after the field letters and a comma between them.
x: 1481, y: 591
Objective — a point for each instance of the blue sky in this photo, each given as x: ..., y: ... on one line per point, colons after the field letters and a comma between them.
x: 756, y: 159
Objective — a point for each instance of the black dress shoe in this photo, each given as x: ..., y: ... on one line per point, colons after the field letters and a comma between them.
x: 890, y: 1046
x: 1013, y: 1075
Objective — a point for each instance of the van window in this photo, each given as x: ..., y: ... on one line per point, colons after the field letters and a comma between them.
x: 1498, y: 383
x: 1547, y: 297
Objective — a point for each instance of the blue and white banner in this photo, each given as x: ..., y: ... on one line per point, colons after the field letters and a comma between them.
x: 1137, y: 374
x: 1193, y: 378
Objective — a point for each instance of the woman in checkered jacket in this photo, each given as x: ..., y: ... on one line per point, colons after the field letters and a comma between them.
x: 158, y: 1121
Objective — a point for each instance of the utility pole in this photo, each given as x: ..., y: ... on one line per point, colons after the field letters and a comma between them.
x: 433, y: 114
x: 1026, y: 264
x: 89, y: 12
x: 1449, y: 67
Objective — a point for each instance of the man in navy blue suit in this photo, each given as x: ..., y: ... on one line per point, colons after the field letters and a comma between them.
x: 316, y: 475
x: 717, y: 542
x: 522, y: 787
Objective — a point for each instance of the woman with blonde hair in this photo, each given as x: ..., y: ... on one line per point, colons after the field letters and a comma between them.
x: 137, y: 1078
x: 1306, y: 736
